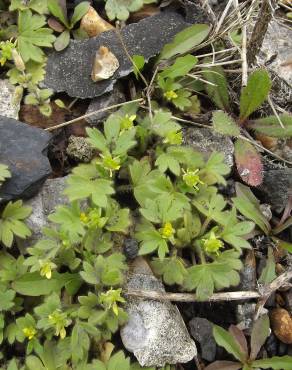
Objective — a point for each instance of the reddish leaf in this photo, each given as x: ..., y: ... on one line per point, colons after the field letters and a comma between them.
x: 224, y: 365
x: 55, y: 25
x: 248, y: 162
x: 240, y: 338
x: 259, y: 334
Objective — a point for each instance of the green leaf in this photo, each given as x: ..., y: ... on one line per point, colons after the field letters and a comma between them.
x: 269, y: 271
x: 56, y: 9
x: 276, y: 363
x: 224, y: 339
x: 118, y: 362
x: 62, y: 41
x: 79, y: 11
x: 249, y: 206
x: 151, y: 240
x: 180, y: 67
x: 96, y: 139
x: 215, y: 169
x: 138, y: 64
x: 11, y: 223
x: 224, y: 124
x: 172, y: 269
x: 234, y: 231
x: 32, y: 36
x: 32, y: 284
x: 270, y: 126
x: 120, y: 221
x: 4, y: 173
x: 254, y: 93
x: 121, y: 9
x: 259, y: 334
x: 224, y: 365
x: 248, y: 162
x: 185, y: 40
x: 39, y: 6
x: 222, y: 273
x: 217, y: 89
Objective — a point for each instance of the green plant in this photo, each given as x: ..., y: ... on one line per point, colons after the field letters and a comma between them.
x: 59, y: 11
x: 35, y: 5
x: 235, y: 343
x: 121, y: 9
x: 248, y: 160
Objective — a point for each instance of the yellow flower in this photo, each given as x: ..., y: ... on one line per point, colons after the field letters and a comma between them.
x: 127, y: 122
x: 29, y: 332
x: 46, y: 268
x: 213, y: 244
x: 192, y: 179
x: 170, y: 95
x: 111, y: 164
x: 167, y: 231
x: 83, y: 218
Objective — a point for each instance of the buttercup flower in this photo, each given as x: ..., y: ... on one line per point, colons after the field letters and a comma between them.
x: 29, y: 332
x: 167, y: 231
x: 170, y: 95
x: 127, y: 122
x: 192, y: 179
x: 212, y: 244
x: 46, y: 268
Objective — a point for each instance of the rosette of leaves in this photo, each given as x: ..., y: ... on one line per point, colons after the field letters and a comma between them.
x: 235, y: 343
x: 63, y: 25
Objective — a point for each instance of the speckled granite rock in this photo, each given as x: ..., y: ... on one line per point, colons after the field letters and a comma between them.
x: 155, y: 332
x: 70, y: 70
x: 23, y: 148
x: 9, y: 101
x: 208, y: 141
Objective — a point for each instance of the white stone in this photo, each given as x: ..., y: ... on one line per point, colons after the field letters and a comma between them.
x: 155, y: 332
x: 9, y: 101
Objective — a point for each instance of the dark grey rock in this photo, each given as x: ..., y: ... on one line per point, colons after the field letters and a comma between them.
x: 208, y: 141
x: 130, y: 248
x: 23, y: 148
x: 104, y: 101
x: 70, y: 69
x: 276, y: 187
x: 195, y: 12
x: 155, y: 331
x: 202, y: 331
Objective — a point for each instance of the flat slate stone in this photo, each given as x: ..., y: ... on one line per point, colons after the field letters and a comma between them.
x: 23, y: 148
x: 70, y: 69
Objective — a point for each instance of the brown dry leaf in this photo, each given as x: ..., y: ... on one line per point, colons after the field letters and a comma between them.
x: 282, y: 325
x: 147, y: 11
x: 105, y: 64
x: 93, y: 24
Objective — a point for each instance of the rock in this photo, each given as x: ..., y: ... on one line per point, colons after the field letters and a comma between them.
x: 276, y: 187
x: 155, y: 332
x: 130, y: 248
x: 244, y: 315
x: 93, y: 24
x: 281, y: 323
x: 70, y: 69
x: 208, y: 141
x: 43, y: 204
x: 276, y: 51
x: 248, y: 279
x: 202, y: 331
x: 79, y: 149
x: 195, y: 13
x: 104, y: 101
x: 23, y: 148
x: 9, y: 100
